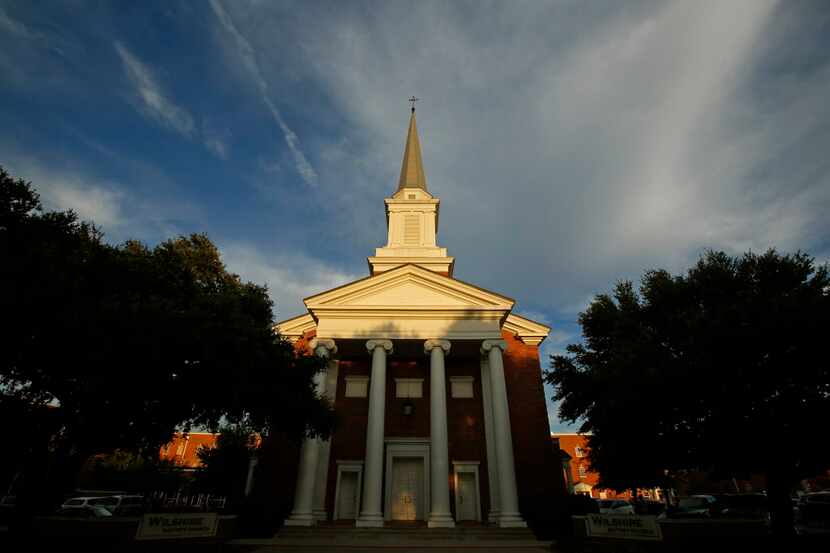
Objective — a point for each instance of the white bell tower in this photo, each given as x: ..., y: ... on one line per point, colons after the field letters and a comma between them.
x: 412, y: 218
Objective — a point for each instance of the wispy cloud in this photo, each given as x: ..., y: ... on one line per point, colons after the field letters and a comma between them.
x: 303, y: 166
x: 157, y: 104
x: 154, y: 102
x: 61, y: 189
x: 215, y: 139
x: 290, y: 277
x: 15, y: 27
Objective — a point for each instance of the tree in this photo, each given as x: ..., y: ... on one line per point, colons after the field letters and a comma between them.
x: 724, y: 367
x: 124, y: 344
x: 224, y: 469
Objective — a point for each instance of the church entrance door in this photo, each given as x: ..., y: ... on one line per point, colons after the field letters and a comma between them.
x: 467, y: 496
x: 407, y: 483
x: 347, y: 500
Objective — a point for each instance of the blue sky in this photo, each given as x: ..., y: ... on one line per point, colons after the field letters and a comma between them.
x: 572, y: 144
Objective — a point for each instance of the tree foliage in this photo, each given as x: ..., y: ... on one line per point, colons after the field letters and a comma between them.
x: 224, y: 469
x: 710, y: 369
x: 123, y: 344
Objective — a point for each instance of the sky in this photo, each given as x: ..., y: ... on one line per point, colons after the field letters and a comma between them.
x: 573, y: 144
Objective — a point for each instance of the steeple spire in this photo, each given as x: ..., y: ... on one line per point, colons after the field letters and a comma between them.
x: 412, y: 217
x: 412, y: 168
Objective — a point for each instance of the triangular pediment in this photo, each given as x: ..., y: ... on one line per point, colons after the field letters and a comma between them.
x: 409, y: 287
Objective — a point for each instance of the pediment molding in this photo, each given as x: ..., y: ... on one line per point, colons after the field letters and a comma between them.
x: 406, y: 288
x: 528, y: 331
x: 411, y: 302
x: 295, y: 328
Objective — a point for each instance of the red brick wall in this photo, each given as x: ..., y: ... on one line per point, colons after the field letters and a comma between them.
x: 183, y: 449
x: 538, y: 476
x: 399, y: 425
x: 569, y: 443
x: 465, y: 427
x: 348, y: 442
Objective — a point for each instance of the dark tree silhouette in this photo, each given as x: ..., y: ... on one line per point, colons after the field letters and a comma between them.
x: 224, y: 469
x: 123, y: 344
x: 706, y: 370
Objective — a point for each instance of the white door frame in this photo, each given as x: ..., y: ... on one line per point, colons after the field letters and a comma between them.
x: 466, y: 467
x: 410, y: 448
x: 348, y: 466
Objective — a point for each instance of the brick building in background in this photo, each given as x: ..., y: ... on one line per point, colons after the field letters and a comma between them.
x: 182, y: 449
x: 437, y: 385
x: 578, y: 475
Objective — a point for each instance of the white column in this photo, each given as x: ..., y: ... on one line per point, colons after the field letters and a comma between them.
x: 439, y: 515
x: 370, y: 512
x: 326, y: 349
x: 509, y: 515
x: 249, y: 481
x: 490, y: 440
x: 302, y: 514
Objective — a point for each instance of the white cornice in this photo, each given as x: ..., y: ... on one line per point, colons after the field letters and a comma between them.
x: 294, y: 328
x: 411, y: 316
x: 528, y: 331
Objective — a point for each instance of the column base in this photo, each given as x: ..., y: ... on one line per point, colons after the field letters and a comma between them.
x: 304, y: 519
x: 511, y: 520
x: 370, y: 520
x: 493, y: 517
x: 320, y: 514
x: 440, y: 521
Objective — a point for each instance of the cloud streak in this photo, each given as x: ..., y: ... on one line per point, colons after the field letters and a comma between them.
x: 249, y: 59
x: 154, y: 102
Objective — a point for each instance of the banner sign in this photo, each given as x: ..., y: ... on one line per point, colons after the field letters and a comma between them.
x: 630, y: 527
x: 177, y: 525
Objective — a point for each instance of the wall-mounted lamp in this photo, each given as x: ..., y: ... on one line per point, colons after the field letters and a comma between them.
x: 408, y: 408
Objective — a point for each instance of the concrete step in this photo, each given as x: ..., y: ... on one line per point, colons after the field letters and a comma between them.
x: 467, y: 539
x: 453, y: 534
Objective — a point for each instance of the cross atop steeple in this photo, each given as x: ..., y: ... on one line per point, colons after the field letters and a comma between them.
x: 412, y: 101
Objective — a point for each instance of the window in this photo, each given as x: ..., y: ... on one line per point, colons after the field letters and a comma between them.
x: 461, y: 386
x: 411, y: 229
x: 357, y: 386
x: 409, y: 387
x: 410, y: 196
x: 583, y: 471
x: 580, y: 452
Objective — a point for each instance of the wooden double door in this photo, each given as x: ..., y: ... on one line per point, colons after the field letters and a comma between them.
x: 407, y: 497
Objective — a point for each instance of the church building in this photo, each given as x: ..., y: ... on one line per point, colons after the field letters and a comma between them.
x: 437, y: 386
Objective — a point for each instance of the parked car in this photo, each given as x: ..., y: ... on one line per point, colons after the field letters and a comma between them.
x: 814, y: 509
x: 695, y: 506
x: 123, y: 505
x: 128, y: 505
x: 84, y: 507
x: 745, y: 505
x: 76, y: 503
x: 615, y: 507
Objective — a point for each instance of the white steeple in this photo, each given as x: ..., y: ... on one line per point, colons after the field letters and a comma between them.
x: 412, y: 218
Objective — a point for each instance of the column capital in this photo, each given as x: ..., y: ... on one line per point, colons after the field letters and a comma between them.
x: 429, y: 345
x: 323, y: 347
x: 487, y: 345
x: 371, y: 345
